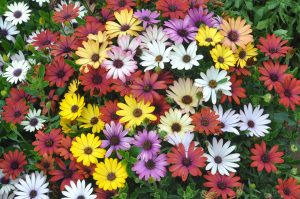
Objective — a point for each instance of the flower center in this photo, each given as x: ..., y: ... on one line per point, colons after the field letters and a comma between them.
x: 33, y: 122
x: 286, y: 191
x: 198, y: 23
x: 33, y: 194
x: 4, y: 180
x: 88, y: 150
x: 242, y: 54
x: 208, y: 39
x: 146, y: 18
x: 121, y: 3
x: 125, y: 27
x: 138, y: 52
x: 46, y: 165
x: 17, y: 72
x: 182, y: 32
x: 147, y: 88
x: 204, y: 122
x: 187, y: 99
x: 118, y: 63
x: 66, y: 49
x: 150, y: 164
x: 222, y: 125
x: 46, y: 42
x: 213, y: 83
x: 221, y: 185
x: 60, y: 74
x: 158, y: 58
x: 274, y: 77
x: 68, y: 173
x: 114, y: 116
x: 186, y: 58
x: 147, y: 145
x: 17, y: 14
x: 186, y: 162
x: 265, y: 158
x: 96, y: 79
x: 67, y: 16
x: 287, y: 93
x: 233, y: 36
x: 251, y: 124
x: 17, y: 114
x: 172, y: 8
x: 176, y: 127
x: 3, y: 32
x: 14, y: 165
x: 81, y: 197
x: 221, y: 60
x: 111, y: 176
x: 114, y: 140
x: 95, y: 57
x: 273, y: 50
x: 49, y: 142
x: 218, y: 160
x: 94, y: 120
x: 137, y: 112
x: 74, y: 108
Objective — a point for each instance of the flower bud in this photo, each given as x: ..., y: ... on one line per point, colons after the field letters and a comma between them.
x: 268, y: 98
x: 294, y: 148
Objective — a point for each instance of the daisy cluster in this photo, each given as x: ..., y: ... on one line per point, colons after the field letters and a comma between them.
x: 139, y: 98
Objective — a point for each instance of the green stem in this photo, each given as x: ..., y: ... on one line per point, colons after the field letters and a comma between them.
x: 87, y: 7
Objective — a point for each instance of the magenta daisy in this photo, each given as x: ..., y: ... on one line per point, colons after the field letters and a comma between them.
x: 199, y: 16
x: 149, y: 142
x: 116, y: 140
x: 154, y: 168
x: 148, y: 17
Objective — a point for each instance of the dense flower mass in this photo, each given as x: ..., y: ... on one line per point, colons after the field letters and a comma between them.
x: 147, y: 99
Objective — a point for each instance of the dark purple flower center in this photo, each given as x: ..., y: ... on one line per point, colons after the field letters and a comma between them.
x: 33, y: 121
x: 218, y: 160
x: 176, y: 127
x: 49, y: 142
x: 66, y: 49
x: 187, y: 99
x: 147, y: 88
x: 146, y: 18
x: 186, y: 58
x: 95, y: 57
x: 274, y: 77
x: 81, y: 197
x: 182, y: 32
x: 273, y: 50
x: 74, y: 108
x: 60, y: 74
x: 68, y: 173
x: 265, y: 158
x: 94, y: 120
x: 233, y: 36
x: 287, y: 191
x: 111, y: 176
x: 222, y: 125
x: 121, y: 3
x: 3, y: 32
x: 46, y: 165
x: 118, y: 63
x: 125, y: 27
x: 173, y: 8
x: 186, y: 162
x: 88, y: 150
x: 213, y: 83
x: 204, y: 122
x: 114, y: 140
x: 97, y: 79
x: 137, y: 112
x: 150, y: 164
x: 208, y: 39
x: 17, y: 72
x: 198, y: 23
x: 287, y: 93
x: 17, y: 114
x: 221, y: 185
x: 242, y: 54
x: 147, y: 145
x: 17, y: 14
x: 251, y: 124
x: 14, y: 165
x: 114, y: 116
x: 46, y: 42
x: 4, y: 180
x: 32, y: 194
x: 67, y: 16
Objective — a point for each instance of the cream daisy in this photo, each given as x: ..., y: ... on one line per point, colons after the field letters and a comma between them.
x: 154, y: 33
x: 229, y: 120
x: 185, y: 94
x: 33, y: 186
x: 17, y: 13
x: 6, y: 184
x: 176, y: 121
x: 7, y: 30
x: 254, y: 121
x: 33, y: 121
x: 220, y: 158
x: 120, y: 64
x: 78, y: 191
x: 156, y: 56
x: 17, y: 71
x: 41, y: 2
x: 212, y: 82
x: 182, y: 58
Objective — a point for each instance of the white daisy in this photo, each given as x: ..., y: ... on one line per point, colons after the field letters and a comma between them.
x: 7, y: 196
x: 18, y: 12
x: 18, y: 56
x: 1, y: 65
x: 176, y: 121
x: 33, y: 122
x: 184, y: 138
x: 185, y: 94
x: 254, y: 121
x: 17, y: 71
x: 7, y: 30
x: 229, y: 120
x: 219, y: 157
x: 182, y: 58
x: 212, y: 82
x: 154, y: 33
x: 6, y: 184
x: 33, y: 186
x: 41, y: 2
x: 79, y: 191
x: 127, y: 44
x: 156, y: 55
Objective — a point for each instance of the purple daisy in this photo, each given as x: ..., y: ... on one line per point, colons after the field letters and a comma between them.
x: 180, y: 30
x: 154, y: 168
x: 148, y: 17
x: 199, y: 16
x: 149, y: 142
x: 116, y: 139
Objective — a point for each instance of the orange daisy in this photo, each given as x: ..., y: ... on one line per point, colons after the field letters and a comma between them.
x: 236, y: 33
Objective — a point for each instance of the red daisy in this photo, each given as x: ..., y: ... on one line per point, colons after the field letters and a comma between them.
x: 17, y: 94
x: 206, y: 121
x: 166, y: 76
x: 108, y: 111
x: 161, y: 106
x: 272, y: 74
x: 13, y: 163
x: 237, y: 91
x: 64, y: 148
x: 46, y: 164
x: 273, y: 46
x: 222, y: 184
x: 289, y: 92
x: 52, y: 99
x: 14, y: 112
x: 124, y: 87
x: 239, y: 71
x: 95, y: 81
x: 90, y: 28
x: 288, y: 189
x: 172, y: 9
x: 66, y: 14
x: 85, y: 171
x: 58, y: 72
x: 118, y: 5
x: 186, y: 162
x: 263, y: 159
x: 144, y: 88
x: 64, y: 46
x: 47, y: 143
x: 101, y: 194
x: 64, y: 173
x: 45, y: 39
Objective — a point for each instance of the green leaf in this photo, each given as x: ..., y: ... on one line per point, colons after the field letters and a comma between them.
x: 262, y: 24
x: 20, y: 44
x: 3, y: 5
x: 280, y: 32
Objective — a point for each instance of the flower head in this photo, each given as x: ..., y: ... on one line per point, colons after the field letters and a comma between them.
x: 79, y: 190
x: 17, y: 13
x: 288, y: 189
x: 172, y: 9
x: 33, y: 121
x: 206, y: 121
x: 66, y: 14
x: 91, y: 118
x: 207, y: 36
x: 223, y: 57
x: 148, y: 17
x: 71, y: 106
x: 47, y: 143
x: 13, y: 163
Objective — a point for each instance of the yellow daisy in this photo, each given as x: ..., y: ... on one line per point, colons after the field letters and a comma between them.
x: 66, y: 125
x: 127, y: 24
x: 73, y: 86
x: 110, y: 175
x: 86, y: 149
x: 101, y: 37
x: 208, y: 36
x: 71, y: 106
x: 92, y: 53
x: 90, y: 116
x: 135, y: 112
x: 242, y: 55
x: 223, y: 57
